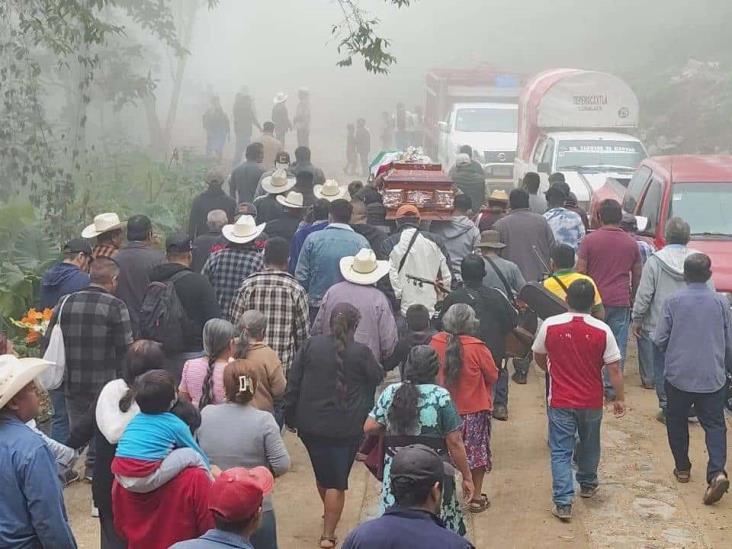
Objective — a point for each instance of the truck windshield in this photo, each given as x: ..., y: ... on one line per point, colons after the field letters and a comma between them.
x: 604, y: 154
x: 486, y: 120
x: 707, y: 207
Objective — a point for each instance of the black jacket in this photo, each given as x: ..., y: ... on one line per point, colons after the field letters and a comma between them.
x: 207, y: 201
x: 375, y: 236
x: 244, y: 181
x: 202, y: 249
x: 496, y: 315
x: 197, y: 297
x: 284, y: 227
x: 404, y: 345
x: 268, y: 208
x: 311, y: 404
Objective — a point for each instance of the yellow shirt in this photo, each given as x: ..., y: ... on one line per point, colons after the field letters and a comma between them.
x: 567, y: 277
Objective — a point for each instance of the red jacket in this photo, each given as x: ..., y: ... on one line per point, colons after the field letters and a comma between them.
x: 177, y: 511
x: 473, y: 391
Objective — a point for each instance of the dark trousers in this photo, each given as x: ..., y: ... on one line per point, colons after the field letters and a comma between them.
x: 242, y: 142
x: 710, y: 411
x: 78, y: 407
x: 303, y: 138
x: 364, y: 157
x: 108, y: 535
x: 60, y: 419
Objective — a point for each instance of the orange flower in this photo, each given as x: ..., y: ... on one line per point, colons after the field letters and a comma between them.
x: 47, y: 314
x: 32, y: 337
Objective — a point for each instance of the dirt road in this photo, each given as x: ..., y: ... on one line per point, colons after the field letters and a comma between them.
x: 639, y: 503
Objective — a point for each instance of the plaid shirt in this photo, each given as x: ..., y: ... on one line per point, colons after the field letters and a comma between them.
x: 285, y: 304
x: 104, y: 250
x: 97, y: 331
x: 227, y: 269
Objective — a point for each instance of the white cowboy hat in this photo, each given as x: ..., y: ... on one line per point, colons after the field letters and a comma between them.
x: 16, y: 373
x: 363, y: 268
x: 330, y: 191
x: 244, y: 230
x: 103, y: 223
x: 281, y: 97
x: 278, y: 182
x: 291, y: 200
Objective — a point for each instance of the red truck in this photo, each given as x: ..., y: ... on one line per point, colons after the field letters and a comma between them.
x: 697, y: 188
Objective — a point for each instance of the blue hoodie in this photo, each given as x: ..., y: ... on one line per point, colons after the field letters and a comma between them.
x: 60, y: 280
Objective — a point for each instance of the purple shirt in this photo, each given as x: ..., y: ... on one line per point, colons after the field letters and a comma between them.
x: 377, y: 328
x: 610, y: 254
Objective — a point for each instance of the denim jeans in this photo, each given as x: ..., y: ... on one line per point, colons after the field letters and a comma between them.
x: 618, y: 319
x: 659, y: 374
x: 646, y: 367
x: 265, y: 536
x: 60, y: 420
x: 500, y: 389
x: 710, y: 411
x: 564, y: 426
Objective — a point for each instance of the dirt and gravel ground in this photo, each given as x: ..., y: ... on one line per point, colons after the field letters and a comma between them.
x: 639, y: 503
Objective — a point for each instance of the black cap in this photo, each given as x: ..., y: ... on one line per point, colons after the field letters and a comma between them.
x: 418, y: 463
x: 178, y: 243
x: 283, y: 157
x: 78, y: 246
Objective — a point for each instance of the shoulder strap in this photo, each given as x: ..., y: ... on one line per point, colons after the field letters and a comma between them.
x: 558, y: 280
x: 509, y: 291
x: 179, y: 275
x: 406, y: 253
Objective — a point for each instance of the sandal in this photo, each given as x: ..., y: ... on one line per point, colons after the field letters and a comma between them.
x: 479, y: 505
x: 328, y: 542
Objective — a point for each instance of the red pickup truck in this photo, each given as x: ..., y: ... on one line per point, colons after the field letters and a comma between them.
x: 697, y: 188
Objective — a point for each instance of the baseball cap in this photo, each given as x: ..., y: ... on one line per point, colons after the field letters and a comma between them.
x: 407, y: 211
x: 418, y: 463
x: 237, y: 493
x: 77, y: 246
x: 178, y: 243
x: 282, y: 157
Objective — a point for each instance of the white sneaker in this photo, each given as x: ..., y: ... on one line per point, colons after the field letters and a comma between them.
x: 94, y: 511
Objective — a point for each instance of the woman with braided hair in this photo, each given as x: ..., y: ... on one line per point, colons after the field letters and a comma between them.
x: 418, y: 411
x: 330, y: 390
x: 202, y: 381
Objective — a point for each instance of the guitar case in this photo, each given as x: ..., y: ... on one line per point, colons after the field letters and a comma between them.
x: 540, y: 300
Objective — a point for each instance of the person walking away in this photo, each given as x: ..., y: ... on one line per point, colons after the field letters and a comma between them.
x: 387, y: 132
x: 330, y: 391
x: 135, y: 260
x: 573, y: 348
x: 280, y: 298
x: 460, y: 234
x: 525, y: 235
x: 281, y: 162
x: 302, y: 118
x: 563, y: 274
x: 417, y: 482
x: 319, y: 215
x: 351, y: 154
x: 262, y: 362
x: 497, y: 205
x: 468, y: 371
x: 271, y: 146
x: 363, y: 145
x: 695, y: 333
x: 662, y: 276
x: 490, y: 246
x: 245, y: 177
x: 197, y: 300
x: 468, y: 180
x: 202, y: 381
x: 611, y: 258
x: 630, y: 225
x: 97, y: 332
x: 571, y: 204
x: 537, y: 201
x: 496, y: 319
x: 318, y: 267
x: 359, y: 223
x: 566, y: 225
x: 32, y: 510
x: 418, y: 411
x: 303, y: 162
x: 402, y: 124
x: 217, y: 127
x: 227, y: 268
x: 304, y: 186
x: 107, y: 230
x: 244, y: 118
x: 205, y: 244
x: 274, y: 185
x: 285, y: 227
x: 237, y: 434
x: 376, y: 329
x: 419, y: 332
x: 416, y: 253
x: 213, y: 198
x: 375, y: 209
x: 281, y: 117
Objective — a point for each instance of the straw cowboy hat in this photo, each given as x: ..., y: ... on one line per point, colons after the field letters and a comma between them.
x: 291, y: 200
x: 103, y: 223
x: 16, y: 373
x: 363, y: 268
x: 499, y: 195
x: 330, y: 191
x: 281, y: 97
x: 244, y: 230
x: 278, y: 182
x: 490, y: 239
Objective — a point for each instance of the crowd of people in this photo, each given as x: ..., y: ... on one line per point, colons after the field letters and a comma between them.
x: 293, y: 303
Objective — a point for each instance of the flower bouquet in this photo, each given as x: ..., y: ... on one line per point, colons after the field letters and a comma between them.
x: 35, y: 323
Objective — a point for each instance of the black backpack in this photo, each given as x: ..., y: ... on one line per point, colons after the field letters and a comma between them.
x: 162, y: 316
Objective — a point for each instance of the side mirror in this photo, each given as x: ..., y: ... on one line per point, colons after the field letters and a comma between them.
x: 443, y: 127
x: 544, y: 167
x: 642, y: 223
